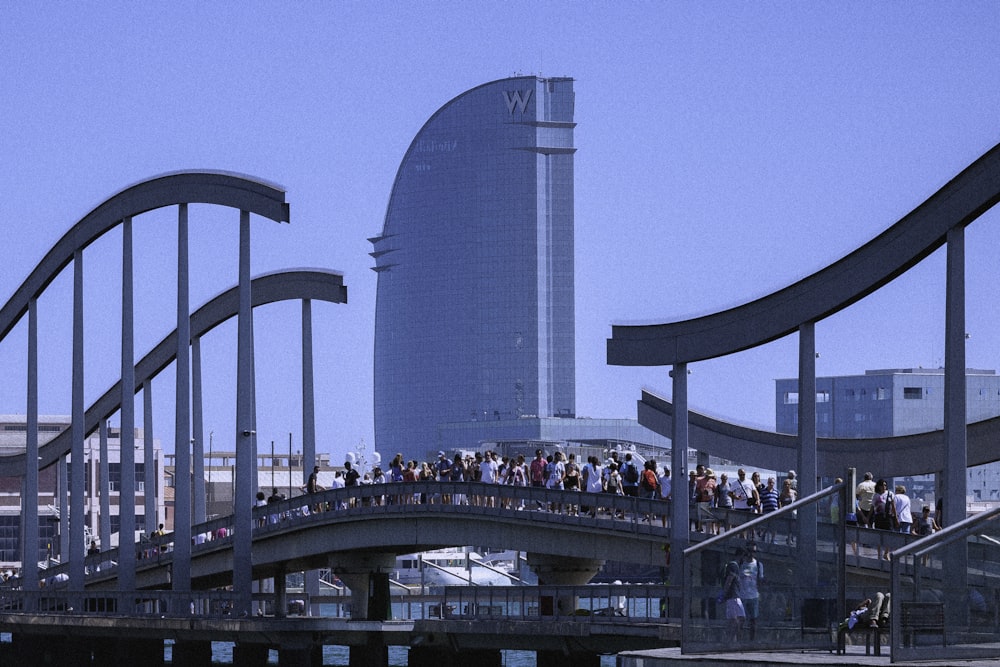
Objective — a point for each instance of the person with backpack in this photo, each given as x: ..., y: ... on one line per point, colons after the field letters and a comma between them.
x: 630, y: 477
x: 883, y: 512
x: 649, y: 483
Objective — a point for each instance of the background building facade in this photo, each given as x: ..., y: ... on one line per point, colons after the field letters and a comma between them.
x: 884, y: 403
x: 475, y: 304
x: 893, y: 402
x: 53, y: 490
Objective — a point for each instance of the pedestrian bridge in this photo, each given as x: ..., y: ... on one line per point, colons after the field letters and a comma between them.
x: 565, y: 535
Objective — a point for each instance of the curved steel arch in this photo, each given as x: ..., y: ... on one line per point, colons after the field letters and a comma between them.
x: 317, y: 284
x: 967, y: 196
x: 189, y: 187
x: 916, y: 454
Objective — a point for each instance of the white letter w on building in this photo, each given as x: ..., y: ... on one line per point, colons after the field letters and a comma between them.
x: 514, y: 99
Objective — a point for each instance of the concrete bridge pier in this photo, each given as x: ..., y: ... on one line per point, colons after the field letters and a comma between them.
x: 250, y: 655
x: 442, y: 656
x: 280, y: 594
x: 567, y: 659
x: 300, y: 656
x: 50, y: 650
x: 73, y: 651
x: 367, y: 575
x: 192, y: 653
x: 562, y: 571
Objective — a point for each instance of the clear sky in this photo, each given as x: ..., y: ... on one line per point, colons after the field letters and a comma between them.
x: 724, y: 151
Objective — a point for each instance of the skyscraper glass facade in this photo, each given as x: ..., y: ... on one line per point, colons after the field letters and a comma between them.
x: 475, y: 303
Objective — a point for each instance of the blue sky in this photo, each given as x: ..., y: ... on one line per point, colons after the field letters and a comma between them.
x: 724, y: 150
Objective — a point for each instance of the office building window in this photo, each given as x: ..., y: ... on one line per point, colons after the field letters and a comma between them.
x: 822, y: 396
x: 791, y: 398
x: 913, y: 392
x: 115, y: 476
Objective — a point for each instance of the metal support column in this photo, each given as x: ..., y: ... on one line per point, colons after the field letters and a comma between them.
x: 29, y: 501
x: 126, y: 439
x: 104, y: 488
x: 807, y: 459
x: 62, y: 476
x: 680, y: 535
x: 956, y: 458
x: 151, y: 487
x: 246, y: 459
x: 308, y: 429
x: 198, y: 434
x: 77, y: 484
x: 181, y: 578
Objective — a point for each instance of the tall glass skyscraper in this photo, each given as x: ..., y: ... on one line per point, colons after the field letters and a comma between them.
x: 475, y: 305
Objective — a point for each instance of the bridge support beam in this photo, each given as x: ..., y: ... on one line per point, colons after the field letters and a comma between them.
x: 367, y: 575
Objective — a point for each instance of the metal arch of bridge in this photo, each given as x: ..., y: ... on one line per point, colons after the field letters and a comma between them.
x: 307, y: 284
x: 832, y: 289
x: 939, y: 221
x: 246, y: 194
x: 243, y: 192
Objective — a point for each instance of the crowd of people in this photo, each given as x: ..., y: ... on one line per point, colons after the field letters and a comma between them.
x: 620, y: 474
x: 879, y: 508
x: 708, y: 493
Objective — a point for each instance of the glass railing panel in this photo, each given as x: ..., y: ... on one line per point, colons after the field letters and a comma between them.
x: 946, y: 593
x: 766, y: 582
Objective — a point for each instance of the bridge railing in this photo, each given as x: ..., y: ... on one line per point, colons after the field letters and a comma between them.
x: 598, y: 602
x: 151, y: 603
x: 524, y: 503
x: 636, y: 516
x: 621, y: 603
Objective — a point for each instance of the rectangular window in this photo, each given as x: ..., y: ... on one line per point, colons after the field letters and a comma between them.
x: 913, y: 392
x: 791, y: 398
x: 822, y: 396
x: 879, y: 394
x: 115, y: 476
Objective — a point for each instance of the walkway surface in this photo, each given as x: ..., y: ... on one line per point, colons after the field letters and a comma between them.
x: 855, y: 656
